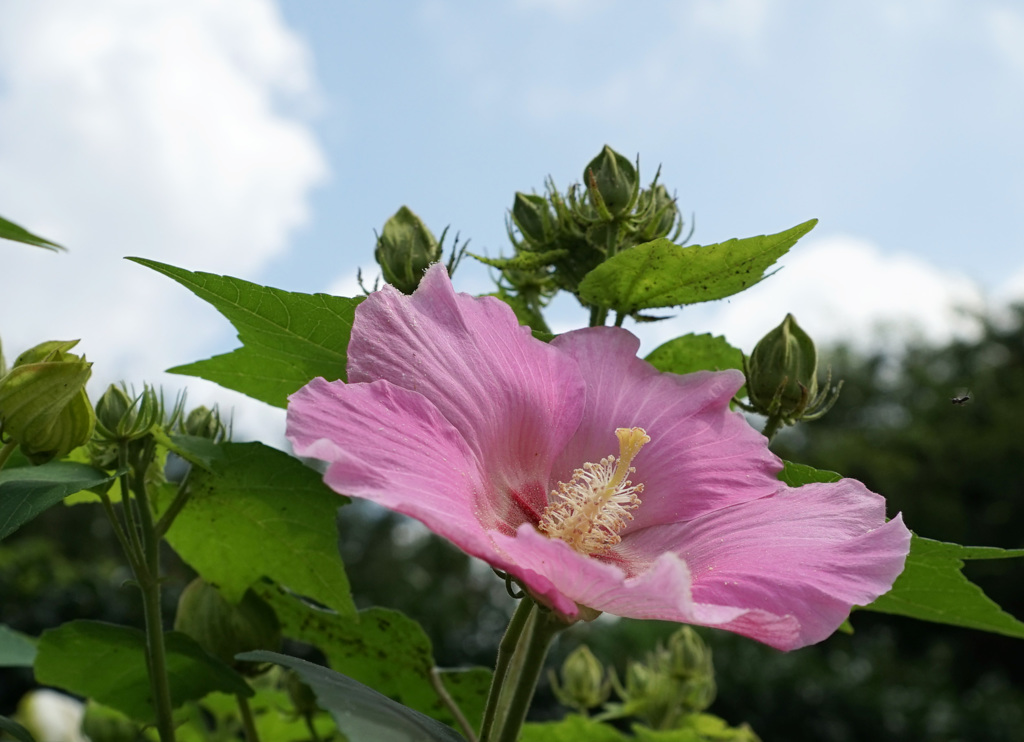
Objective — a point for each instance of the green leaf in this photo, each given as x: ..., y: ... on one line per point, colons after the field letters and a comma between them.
x: 689, y: 353
x: 107, y: 663
x: 199, y: 451
x: 287, y: 338
x: 664, y: 274
x: 11, y: 231
x: 696, y: 728
x: 15, y: 729
x: 361, y: 713
x: 262, y: 513
x: 383, y: 649
x: 16, y: 649
x: 932, y: 588
x: 797, y: 475
x: 572, y: 728
x: 27, y: 491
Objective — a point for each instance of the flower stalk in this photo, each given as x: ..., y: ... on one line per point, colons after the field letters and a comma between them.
x: 506, y: 649
x: 137, y: 533
x: 532, y: 629
x: 148, y: 578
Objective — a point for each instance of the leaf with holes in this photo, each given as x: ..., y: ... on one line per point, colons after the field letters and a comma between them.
x: 384, y: 649
x: 664, y: 274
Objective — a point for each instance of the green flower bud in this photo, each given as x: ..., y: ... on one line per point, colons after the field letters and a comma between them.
x: 687, y: 655
x: 612, y: 182
x: 534, y: 218
x: 203, y: 422
x: 782, y: 372
x: 584, y: 684
x: 405, y: 248
x: 122, y: 418
x: 687, y: 659
x: 223, y: 629
x: 649, y: 693
x: 660, y: 213
x: 43, y: 404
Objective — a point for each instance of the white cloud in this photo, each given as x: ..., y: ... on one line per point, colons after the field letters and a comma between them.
x: 742, y: 20
x: 842, y: 290
x: 164, y: 129
x: 1006, y: 31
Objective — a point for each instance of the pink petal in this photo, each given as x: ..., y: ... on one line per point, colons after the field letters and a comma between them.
x: 701, y: 457
x: 563, y: 578
x: 391, y: 446
x: 515, y: 400
x: 808, y: 552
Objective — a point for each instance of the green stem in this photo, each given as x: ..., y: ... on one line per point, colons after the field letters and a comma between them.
x: 506, y: 649
x: 125, y: 480
x: 6, y: 451
x: 524, y: 670
x: 449, y: 703
x: 134, y: 558
x: 248, y: 722
x: 772, y: 426
x: 181, y: 498
x: 149, y: 586
x: 157, y: 656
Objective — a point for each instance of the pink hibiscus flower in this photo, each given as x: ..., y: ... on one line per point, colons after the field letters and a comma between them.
x: 595, y: 480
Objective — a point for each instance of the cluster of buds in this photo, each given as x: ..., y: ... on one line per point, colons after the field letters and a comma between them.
x: 43, y: 405
x: 558, y: 238
x: 782, y: 378
x: 406, y: 247
x: 674, y: 681
x: 126, y: 418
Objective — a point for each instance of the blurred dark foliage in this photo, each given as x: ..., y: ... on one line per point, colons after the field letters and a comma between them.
x: 66, y: 565
x: 955, y: 471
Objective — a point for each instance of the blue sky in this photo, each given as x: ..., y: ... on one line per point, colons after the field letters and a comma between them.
x: 269, y: 140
